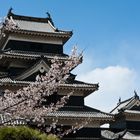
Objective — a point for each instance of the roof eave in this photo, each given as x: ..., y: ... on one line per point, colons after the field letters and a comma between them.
x: 62, y: 86
x: 38, y: 19
x: 64, y: 35
x: 31, y: 56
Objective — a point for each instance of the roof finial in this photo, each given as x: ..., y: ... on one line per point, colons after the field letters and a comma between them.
x: 9, y: 12
x: 119, y: 100
x: 136, y: 95
x: 48, y: 14
x: 50, y: 18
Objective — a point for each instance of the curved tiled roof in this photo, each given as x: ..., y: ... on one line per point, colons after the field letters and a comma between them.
x: 127, y: 104
x: 36, y: 26
x: 31, y: 55
x: 35, y: 23
x: 8, y: 81
x: 99, y: 116
x: 132, y: 111
x: 40, y: 33
x: 84, y: 86
x: 6, y: 119
x: 81, y: 114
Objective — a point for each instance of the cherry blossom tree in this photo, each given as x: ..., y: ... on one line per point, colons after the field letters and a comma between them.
x: 27, y: 102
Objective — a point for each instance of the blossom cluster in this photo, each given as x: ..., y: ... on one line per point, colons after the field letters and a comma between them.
x: 7, y: 23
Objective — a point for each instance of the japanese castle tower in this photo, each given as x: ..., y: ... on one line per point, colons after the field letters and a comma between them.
x: 27, y: 51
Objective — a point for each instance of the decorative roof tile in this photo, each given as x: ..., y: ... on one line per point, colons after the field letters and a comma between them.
x: 80, y: 114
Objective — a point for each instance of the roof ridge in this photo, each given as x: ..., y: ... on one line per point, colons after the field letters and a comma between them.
x: 16, y: 16
x: 47, y: 19
x: 120, y: 104
x: 131, y: 102
x: 126, y: 100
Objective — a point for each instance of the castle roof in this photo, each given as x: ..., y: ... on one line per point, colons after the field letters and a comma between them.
x: 63, y: 115
x: 82, y: 115
x: 31, y: 55
x: 6, y: 119
x: 127, y: 105
x: 88, y: 88
x: 36, y: 24
x: 32, y: 26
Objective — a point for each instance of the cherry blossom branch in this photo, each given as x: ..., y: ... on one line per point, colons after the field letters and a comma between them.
x: 7, y: 24
x: 51, y: 108
x: 26, y: 99
x: 75, y: 127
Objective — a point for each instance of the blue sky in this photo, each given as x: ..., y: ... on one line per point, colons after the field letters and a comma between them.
x: 109, y: 33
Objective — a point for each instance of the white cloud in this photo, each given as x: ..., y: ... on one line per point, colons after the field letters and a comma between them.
x: 114, y: 82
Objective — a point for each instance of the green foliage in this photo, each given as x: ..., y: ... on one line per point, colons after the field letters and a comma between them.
x: 52, y: 137
x: 23, y: 133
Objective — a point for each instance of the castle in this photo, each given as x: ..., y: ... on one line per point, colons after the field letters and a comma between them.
x: 27, y: 51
